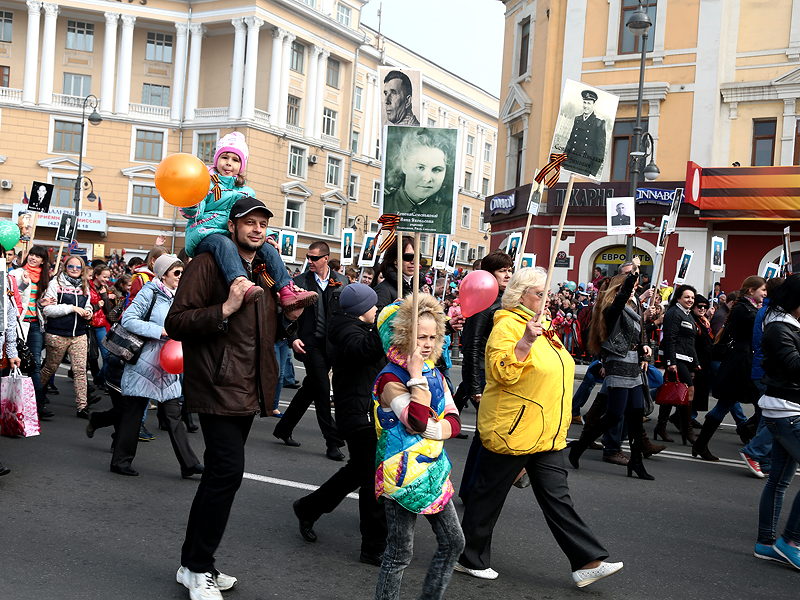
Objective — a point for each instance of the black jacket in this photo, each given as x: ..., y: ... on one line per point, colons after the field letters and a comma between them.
x: 680, y: 332
x: 357, y: 360
x: 733, y: 376
x: 780, y: 346
x: 387, y: 289
x: 307, y: 323
x: 627, y: 336
x: 475, y: 335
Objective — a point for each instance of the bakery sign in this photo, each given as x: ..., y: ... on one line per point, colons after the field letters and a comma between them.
x: 89, y: 220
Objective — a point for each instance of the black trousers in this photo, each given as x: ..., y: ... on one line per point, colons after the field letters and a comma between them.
x: 113, y: 416
x: 357, y: 474
x: 316, y: 388
x: 225, y: 438
x: 549, y: 485
x: 127, y: 439
x: 170, y: 413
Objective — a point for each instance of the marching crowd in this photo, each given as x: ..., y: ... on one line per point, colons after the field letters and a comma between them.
x: 241, y: 318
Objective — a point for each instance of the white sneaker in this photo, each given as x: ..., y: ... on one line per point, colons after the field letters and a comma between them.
x: 479, y: 573
x: 202, y: 586
x: 224, y: 582
x: 583, y: 577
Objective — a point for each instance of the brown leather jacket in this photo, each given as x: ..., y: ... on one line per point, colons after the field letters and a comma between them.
x: 229, y: 367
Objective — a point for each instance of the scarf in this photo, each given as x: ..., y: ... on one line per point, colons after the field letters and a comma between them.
x: 168, y: 291
x: 78, y: 283
x: 705, y: 323
x: 35, y: 273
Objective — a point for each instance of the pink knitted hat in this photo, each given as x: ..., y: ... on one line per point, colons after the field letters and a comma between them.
x: 233, y: 142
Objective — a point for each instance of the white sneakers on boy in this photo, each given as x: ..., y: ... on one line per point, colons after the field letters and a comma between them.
x: 583, y: 577
x: 204, y: 586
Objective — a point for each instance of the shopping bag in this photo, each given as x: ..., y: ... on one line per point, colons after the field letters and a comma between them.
x: 18, y: 413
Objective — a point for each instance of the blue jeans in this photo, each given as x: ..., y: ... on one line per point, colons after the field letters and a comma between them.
x: 400, y: 549
x: 288, y: 370
x: 785, y: 458
x: 100, y: 335
x: 230, y: 263
x: 724, y: 407
x: 36, y: 344
x: 760, y: 447
x: 584, y: 390
x: 282, y: 352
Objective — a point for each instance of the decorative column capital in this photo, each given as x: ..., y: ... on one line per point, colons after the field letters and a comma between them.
x: 314, y: 51
x: 34, y: 7
x: 324, y: 55
x: 198, y: 29
x: 182, y: 29
x: 238, y: 24
x: 111, y: 18
x: 462, y: 121
x: 128, y: 20
x: 290, y: 37
x: 50, y: 10
x: 372, y: 78
x: 279, y: 33
x: 253, y: 23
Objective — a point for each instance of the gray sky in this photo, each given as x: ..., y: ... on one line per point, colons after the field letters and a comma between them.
x: 463, y: 36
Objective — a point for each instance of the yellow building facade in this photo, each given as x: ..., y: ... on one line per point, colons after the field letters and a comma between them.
x: 299, y: 78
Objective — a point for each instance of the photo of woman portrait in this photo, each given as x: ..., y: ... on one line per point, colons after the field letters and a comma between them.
x: 419, y: 178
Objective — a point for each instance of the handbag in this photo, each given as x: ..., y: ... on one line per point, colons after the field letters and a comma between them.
x: 673, y: 392
x: 18, y: 414
x: 92, y: 349
x: 27, y: 363
x: 125, y: 345
x: 648, y: 404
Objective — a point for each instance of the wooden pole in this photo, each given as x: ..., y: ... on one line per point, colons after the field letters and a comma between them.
x: 33, y: 233
x: 58, y: 258
x: 415, y: 291
x: 400, y: 265
x: 555, y: 247
x: 435, y: 277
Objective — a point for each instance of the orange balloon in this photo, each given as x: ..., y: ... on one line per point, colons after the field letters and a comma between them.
x: 182, y: 179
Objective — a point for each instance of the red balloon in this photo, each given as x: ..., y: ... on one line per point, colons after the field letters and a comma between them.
x: 478, y: 291
x: 171, y: 357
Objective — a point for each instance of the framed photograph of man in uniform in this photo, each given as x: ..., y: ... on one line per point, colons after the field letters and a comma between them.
x: 367, y: 256
x: 683, y: 266
x: 66, y: 228
x: 513, y: 247
x: 288, y: 245
x: 41, y: 195
x: 620, y: 216
x: 584, y: 128
x: 440, y: 255
x: 662, y: 235
x: 771, y: 270
x: 401, y: 96
x: 717, y: 254
x: 419, y: 178
x: 528, y: 261
x: 452, y: 255
x: 347, y: 247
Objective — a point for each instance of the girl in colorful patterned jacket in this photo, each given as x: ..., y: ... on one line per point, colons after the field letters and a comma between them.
x: 207, y: 229
x: 414, y: 413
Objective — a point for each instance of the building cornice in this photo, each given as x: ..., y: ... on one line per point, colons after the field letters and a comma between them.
x: 629, y: 92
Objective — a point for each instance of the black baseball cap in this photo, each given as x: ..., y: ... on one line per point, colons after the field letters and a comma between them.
x: 247, y: 204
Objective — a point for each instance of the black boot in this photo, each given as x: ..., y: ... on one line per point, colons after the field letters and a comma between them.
x: 635, y: 464
x: 588, y: 435
x: 596, y: 410
x: 700, y: 447
x: 660, y: 430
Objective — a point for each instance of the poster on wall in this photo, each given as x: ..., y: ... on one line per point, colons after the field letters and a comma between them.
x: 440, y: 256
x: 771, y: 270
x: 683, y: 266
x: 513, y: 246
x: 367, y: 256
x: 418, y: 178
x: 717, y: 254
x: 584, y: 127
x: 662, y: 235
x: 452, y: 255
x: 621, y: 216
x: 401, y: 96
x: 347, y: 247
x: 528, y: 261
x: 288, y: 244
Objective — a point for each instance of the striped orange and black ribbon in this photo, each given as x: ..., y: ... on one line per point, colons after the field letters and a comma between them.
x: 553, y: 168
x: 389, y: 224
x: 550, y: 334
x: 216, y: 190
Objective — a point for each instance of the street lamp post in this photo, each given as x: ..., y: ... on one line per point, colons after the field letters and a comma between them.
x: 94, y: 119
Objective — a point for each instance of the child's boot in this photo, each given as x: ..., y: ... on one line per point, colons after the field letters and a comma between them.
x: 253, y: 294
x: 292, y: 299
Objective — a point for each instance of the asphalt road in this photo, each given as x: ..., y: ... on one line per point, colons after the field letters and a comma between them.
x: 71, y: 529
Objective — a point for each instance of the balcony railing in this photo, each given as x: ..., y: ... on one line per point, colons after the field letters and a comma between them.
x: 295, y: 129
x: 10, y: 96
x: 262, y: 117
x: 153, y: 112
x: 65, y: 101
x: 211, y: 114
x: 329, y: 139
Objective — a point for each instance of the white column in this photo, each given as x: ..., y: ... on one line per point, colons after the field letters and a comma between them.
x: 322, y: 69
x: 477, y: 176
x: 193, y: 79
x: 122, y: 101
x: 31, y: 52
x: 311, y: 89
x: 109, y: 58
x: 48, y: 54
x: 237, y: 68
x: 493, y: 165
x: 275, y: 71
x: 286, y: 58
x: 179, y: 71
x: 789, y: 125
x: 249, y: 99
x: 366, y: 128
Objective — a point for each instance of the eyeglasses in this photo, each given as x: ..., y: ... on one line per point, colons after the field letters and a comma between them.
x: 537, y: 294
x: 177, y: 272
x: 700, y: 307
x: 408, y: 256
x: 315, y: 258
x: 74, y: 267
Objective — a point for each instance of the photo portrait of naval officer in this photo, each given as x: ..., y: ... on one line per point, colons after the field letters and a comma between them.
x: 586, y: 148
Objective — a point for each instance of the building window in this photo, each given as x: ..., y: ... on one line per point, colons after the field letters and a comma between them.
x: 467, y: 180
x: 359, y: 96
x: 159, y: 47
x: 376, y: 193
x: 481, y: 222
x: 463, y: 251
x: 374, y: 227
x: 519, y: 166
x: 524, y: 43
x: 6, y: 26
x: 149, y: 145
x: 487, y: 153
x: 297, y: 57
x: 206, y: 144
x: 334, y: 172
x: 77, y: 85
x: 145, y: 200
x: 64, y: 191
x: 80, y: 36
x: 297, y: 161
x: 66, y: 136
x: 329, y: 218
x: 311, y: 3
x: 155, y: 95
x: 763, y: 143
x: 293, y: 112
x: 291, y: 217
x: 343, y: 14
x: 470, y: 145
x: 378, y: 149
x: 431, y: 122
x: 332, y: 77
x: 5, y: 72
x: 629, y: 43
x: 621, y: 149
x: 466, y: 216
x: 352, y: 190
x: 485, y: 186
x: 329, y: 122
x: 354, y: 142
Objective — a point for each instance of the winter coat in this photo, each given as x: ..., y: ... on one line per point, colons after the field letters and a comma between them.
x: 475, y: 335
x: 733, y: 380
x: 357, y: 360
x: 781, y: 363
x: 680, y: 332
x: 60, y: 317
x: 99, y: 318
x: 387, y: 289
x: 211, y: 216
x: 147, y: 379
x: 526, y: 405
x: 307, y: 329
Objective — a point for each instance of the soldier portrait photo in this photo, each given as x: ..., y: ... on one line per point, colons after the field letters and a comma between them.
x: 716, y: 259
x: 401, y: 102
x: 288, y: 242
x: 620, y: 216
x: 584, y: 127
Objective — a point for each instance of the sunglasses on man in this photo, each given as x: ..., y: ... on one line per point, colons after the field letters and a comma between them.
x: 315, y: 258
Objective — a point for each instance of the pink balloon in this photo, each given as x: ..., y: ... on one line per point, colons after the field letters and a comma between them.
x: 171, y: 357
x: 478, y: 291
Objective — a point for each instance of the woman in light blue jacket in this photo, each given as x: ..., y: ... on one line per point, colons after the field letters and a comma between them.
x: 146, y: 379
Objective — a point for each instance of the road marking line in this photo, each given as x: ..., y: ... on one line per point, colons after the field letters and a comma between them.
x: 288, y: 483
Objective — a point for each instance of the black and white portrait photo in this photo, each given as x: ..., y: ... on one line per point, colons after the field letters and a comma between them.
x: 584, y: 127
x: 288, y: 246
x: 620, y: 216
x: 66, y: 228
x: 513, y: 246
x: 367, y: 257
x: 683, y: 266
x: 419, y: 178
x: 452, y: 256
x: 347, y: 247
x: 717, y: 254
x: 441, y: 251
x: 41, y: 195
x: 402, y: 96
x: 662, y: 234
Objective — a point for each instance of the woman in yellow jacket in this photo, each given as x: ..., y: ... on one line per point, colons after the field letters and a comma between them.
x: 525, y: 412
